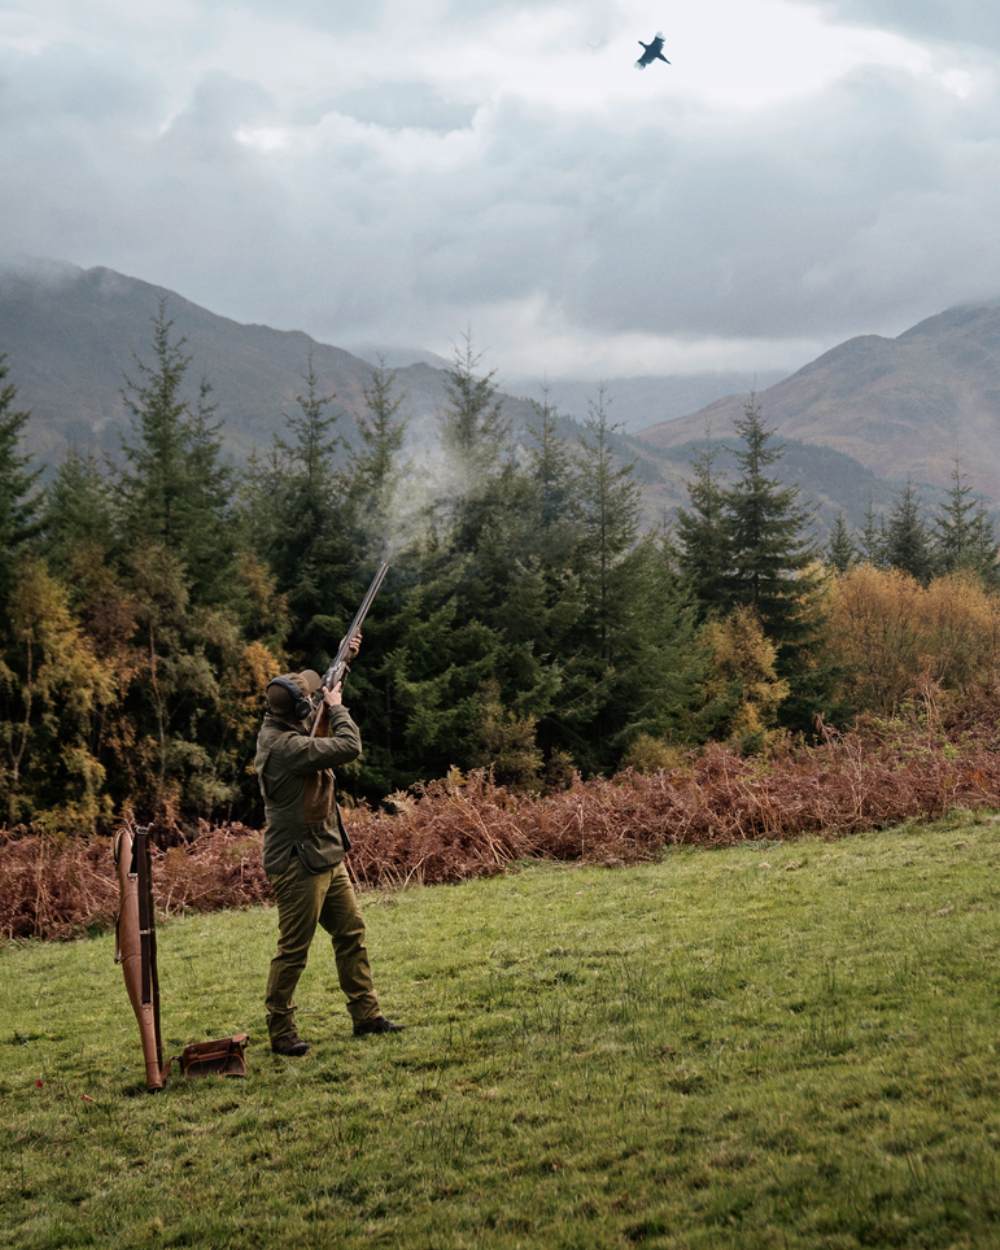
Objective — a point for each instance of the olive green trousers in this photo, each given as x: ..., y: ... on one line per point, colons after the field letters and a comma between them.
x: 304, y: 900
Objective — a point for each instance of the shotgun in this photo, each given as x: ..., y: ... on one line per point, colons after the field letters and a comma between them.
x: 339, y: 668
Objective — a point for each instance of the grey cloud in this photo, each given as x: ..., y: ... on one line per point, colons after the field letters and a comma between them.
x: 867, y: 205
x: 342, y: 15
x: 68, y: 82
x: 397, y: 105
x: 955, y: 21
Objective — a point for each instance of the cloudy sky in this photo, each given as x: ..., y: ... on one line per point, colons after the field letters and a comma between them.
x: 397, y: 170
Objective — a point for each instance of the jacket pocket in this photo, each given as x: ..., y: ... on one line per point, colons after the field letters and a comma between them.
x: 320, y: 854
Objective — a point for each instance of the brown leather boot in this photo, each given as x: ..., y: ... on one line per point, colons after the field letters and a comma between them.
x: 379, y: 1024
x: 292, y: 1045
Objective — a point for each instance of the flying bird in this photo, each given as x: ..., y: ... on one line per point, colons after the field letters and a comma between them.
x: 653, y: 52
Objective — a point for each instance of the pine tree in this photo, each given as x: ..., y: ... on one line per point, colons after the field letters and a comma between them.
x: 154, y: 484
x: 375, y: 469
x: 313, y: 538
x: 18, y: 506
x: 873, y: 538
x: 703, y: 536
x: 78, y: 517
x: 208, y: 525
x: 474, y: 430
x: 633, y: 658
x: 551, y: 469
x: 963, y: 536
x: 174, y: 489
x: 841, y: 552
x: 770, y: 556
x: 907, y: 545
x: 610, y: 504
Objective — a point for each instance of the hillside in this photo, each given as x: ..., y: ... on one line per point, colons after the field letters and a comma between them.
x: 638, y: 402
x: 773, y: 1045
x: 72, y: 335
x: 901, y: 407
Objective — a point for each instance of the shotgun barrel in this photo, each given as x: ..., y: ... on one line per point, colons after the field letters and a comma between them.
x: 338, y: 669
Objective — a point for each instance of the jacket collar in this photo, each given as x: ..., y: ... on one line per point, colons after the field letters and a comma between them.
x: 277, y: 722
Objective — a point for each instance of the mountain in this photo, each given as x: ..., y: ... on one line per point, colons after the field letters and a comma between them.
x: 903, y: 407
x: 72, y: 335
x: 397, y: 357
x: 636, y: 402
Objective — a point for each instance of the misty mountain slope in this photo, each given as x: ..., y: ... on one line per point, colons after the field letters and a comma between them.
x: 902, y: 407
x: 638, y: 402
x: 829, y: 481
x: 71, y: 335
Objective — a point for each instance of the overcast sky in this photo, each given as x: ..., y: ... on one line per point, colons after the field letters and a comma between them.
x: 395, y: 170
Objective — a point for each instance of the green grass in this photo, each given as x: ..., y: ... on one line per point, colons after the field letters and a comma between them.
x: 776, y: 1046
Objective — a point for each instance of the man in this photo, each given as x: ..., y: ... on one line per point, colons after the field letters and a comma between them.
x: 304, y: 846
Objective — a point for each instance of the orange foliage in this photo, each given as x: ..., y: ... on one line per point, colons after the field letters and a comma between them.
x: 887, y: 635
x: 463, y: 827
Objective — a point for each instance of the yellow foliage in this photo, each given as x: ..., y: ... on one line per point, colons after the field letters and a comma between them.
x: 53, y: 682
x: 743, y: 690
x: 886, y: 635
x: 647, y: 754
x: 244, y: 688
x: 507, y: 742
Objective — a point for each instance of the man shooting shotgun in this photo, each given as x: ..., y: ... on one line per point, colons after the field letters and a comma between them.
x: 306, y: 732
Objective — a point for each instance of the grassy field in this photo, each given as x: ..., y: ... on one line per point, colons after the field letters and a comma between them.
x: 776, y: 1046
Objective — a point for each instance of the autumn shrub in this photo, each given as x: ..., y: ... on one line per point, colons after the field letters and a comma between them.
x: 508, y: 742
x: 648, y: 754
x: 50, y: 689
x: 934, y: 758
x: 56, y: 886
x: 742, y: 689
x: 886, y: 636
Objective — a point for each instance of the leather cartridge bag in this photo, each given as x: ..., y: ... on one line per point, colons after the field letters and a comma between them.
x: 222, y: 1058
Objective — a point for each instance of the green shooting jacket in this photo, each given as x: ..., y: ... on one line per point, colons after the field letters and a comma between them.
x: 295, y: 773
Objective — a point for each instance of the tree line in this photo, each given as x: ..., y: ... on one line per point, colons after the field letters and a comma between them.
x: 530, y: 623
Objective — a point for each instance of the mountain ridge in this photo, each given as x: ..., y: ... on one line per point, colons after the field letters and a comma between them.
x: 72, y: 336
x: 908, y: 406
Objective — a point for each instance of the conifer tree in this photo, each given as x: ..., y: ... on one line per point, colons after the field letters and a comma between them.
x: 610, y: 502
x: 635, y: 666
x: 474, y: 429
x: 551, y: 469
x: 841, y: 552
x: 313, y: 535
x: 907, y: 545
x: 173, y: 487
x: 78, y: 518
x: 873, y: 538
x: 208, y: 524
x: 704, y: 538
x: 155, y: 481
x: 375, y: 468
x: 770, y: 555
x: 963, y: 536
x: 18, y: 506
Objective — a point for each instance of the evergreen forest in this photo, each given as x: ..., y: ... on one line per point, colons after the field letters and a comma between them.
x: 530, y: 625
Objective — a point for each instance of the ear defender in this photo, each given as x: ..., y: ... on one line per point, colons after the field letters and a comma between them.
x: 301, y: 705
